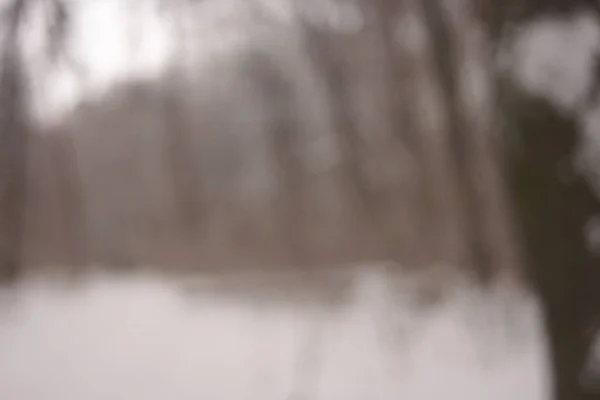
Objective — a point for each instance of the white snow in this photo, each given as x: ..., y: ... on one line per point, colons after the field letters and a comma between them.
x: 141, y: 338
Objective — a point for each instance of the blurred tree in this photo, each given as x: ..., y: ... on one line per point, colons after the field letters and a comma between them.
x: 554, y: 203
x: 14, y: 122
x: 13, y: 148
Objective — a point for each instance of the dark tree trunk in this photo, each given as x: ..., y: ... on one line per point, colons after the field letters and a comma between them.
x: 13, y: 147
x: 554, y: 204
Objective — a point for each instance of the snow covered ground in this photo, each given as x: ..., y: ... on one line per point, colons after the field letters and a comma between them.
x: 344, y: 336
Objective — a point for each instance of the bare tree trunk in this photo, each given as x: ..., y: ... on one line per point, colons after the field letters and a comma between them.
x: 330, y: 58
x: 554, y: 204
x: 487, y: 218
x: 180, y: 159
x: 71, y: 202
x: 13, y: 147
x: 553, y: 216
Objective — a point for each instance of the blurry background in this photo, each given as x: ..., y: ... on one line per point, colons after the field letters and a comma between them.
x: 325, y: 182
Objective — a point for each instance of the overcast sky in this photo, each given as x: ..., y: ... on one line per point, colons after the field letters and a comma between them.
x: 109, y: 41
